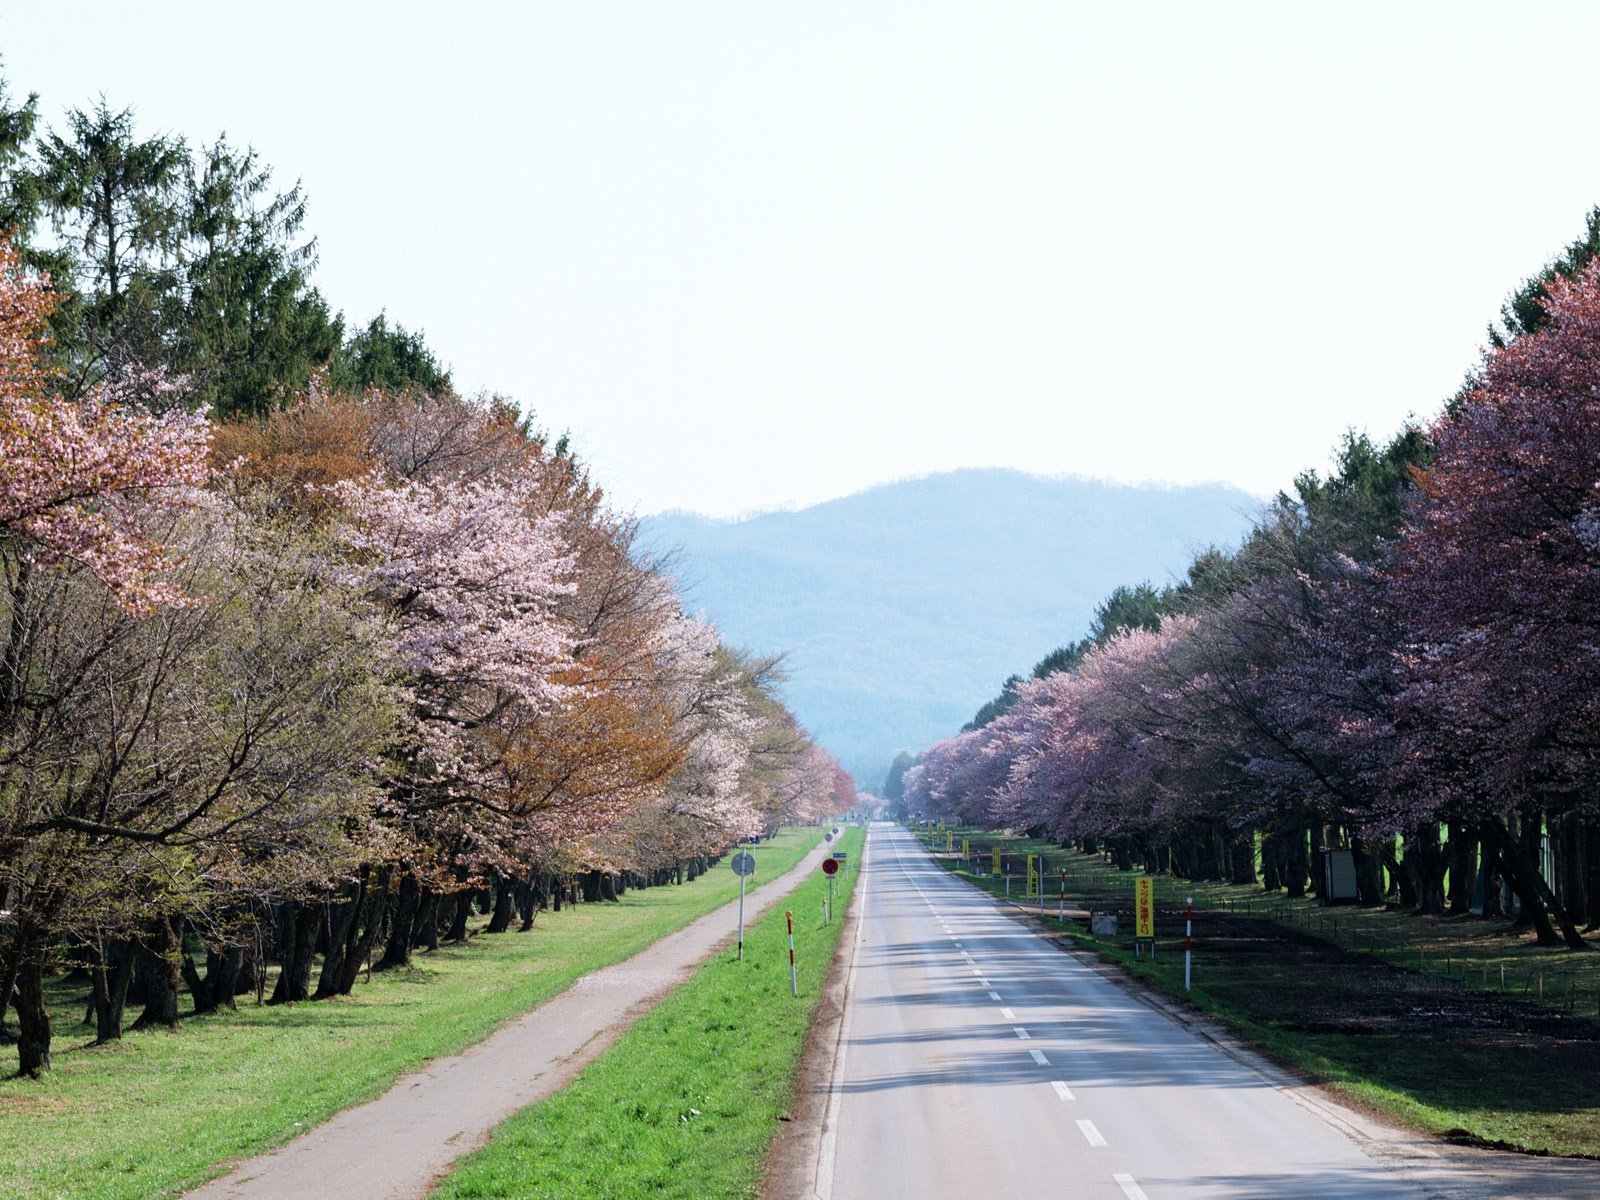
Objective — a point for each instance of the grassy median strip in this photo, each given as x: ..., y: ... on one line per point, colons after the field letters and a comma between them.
x: 688, y: 1101
x: 1425, y: 1036
x: 153, y: 1113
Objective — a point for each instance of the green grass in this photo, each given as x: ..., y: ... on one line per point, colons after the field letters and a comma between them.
x: 1399, y: 1013
x: 1486, y: 955
x: 154, y: 1113
x: 688, y: 1101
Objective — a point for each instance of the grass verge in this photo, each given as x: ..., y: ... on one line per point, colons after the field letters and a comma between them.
x: 154, y: 1113
x: 1397, y: 1034
x: 688, y: 1101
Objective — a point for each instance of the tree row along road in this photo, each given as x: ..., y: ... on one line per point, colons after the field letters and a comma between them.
x: 976, y: 1058
x: 397, y: 1146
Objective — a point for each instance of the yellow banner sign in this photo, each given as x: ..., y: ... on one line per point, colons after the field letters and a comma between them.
x: 949, y: 840
x: 1144, y: 908
x: 966, y: 850
x: 1033, y: 874
x: 994, y: 860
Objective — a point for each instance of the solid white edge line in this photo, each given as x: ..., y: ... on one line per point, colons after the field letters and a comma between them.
x: 1062, y: 1089
x: 828, y: 1149
x: 1090, y: 1132
x: 1130, y: 1189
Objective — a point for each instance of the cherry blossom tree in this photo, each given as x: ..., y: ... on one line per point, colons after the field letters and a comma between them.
x: 76, y: 478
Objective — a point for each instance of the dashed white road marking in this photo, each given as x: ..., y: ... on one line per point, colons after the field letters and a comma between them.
x: 1062, y: 1089
x: 977, y: 972
x: 969, y: 958
x: 1038, y: 1057
x: 1008, y: 1014
x: 1130, y: 1189
x: 1020, y: 1032
x: 995, y: 996
x: 1090, y: 1132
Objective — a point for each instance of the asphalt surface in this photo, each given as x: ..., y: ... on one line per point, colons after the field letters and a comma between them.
x: 975, y: 1058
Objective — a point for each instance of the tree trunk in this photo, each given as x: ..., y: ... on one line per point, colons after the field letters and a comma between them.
x: 504, y: 905
x: 1539, y: 903
x: 297, y: 941
x: 1369, y: 872
x: 1292, y: 863
x: 426, y: 933
x: 157, y: 963
x: 398, y: 951
x: 462, y: 906
x: 358, y: 934
x: 1462, y: 855
x: 109, y: 977
x: 33, y: 1021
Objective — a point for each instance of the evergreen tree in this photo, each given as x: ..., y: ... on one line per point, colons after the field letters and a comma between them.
x: 384, y: 357
x: 116, y: 204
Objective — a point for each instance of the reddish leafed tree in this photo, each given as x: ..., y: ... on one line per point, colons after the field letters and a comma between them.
x: 1498, y: 576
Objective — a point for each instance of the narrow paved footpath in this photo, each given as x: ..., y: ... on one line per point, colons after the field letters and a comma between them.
x: 397, y: 1146
x: 976, y: 1059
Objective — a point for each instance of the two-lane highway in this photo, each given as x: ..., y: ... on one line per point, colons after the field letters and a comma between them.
x: 978, y: 1060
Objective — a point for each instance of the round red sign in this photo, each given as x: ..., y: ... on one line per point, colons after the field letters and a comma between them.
x: 829, y: 866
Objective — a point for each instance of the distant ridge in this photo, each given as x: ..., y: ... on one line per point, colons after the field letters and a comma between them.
x: 906, y: 605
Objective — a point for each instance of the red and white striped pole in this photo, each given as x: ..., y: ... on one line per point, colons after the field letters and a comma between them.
x: 794, y: 986
x: 1188, y: 940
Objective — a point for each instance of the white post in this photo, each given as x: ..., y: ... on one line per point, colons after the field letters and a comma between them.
x: 1188, y: 940
x: 794, y: 987
x: 741, y: 918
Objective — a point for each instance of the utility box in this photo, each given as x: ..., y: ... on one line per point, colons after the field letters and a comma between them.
x: 1338, y: 877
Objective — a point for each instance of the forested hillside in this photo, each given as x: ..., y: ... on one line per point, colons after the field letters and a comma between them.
x: 905, y: 605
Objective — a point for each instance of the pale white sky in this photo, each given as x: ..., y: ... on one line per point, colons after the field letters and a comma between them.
x: 757, y: 255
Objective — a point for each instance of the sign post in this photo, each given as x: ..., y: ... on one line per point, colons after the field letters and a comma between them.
x: 830, y: 868
x: 744, y: 864
x: 1062, y: 915
x: 1144, y: 915
x: 1188, y: 939
x: 794, y: 987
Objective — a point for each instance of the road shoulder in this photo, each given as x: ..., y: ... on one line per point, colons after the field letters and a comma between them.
x: 799, y: 1166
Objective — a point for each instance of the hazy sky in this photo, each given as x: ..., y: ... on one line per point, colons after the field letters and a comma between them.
x: 756, y: 255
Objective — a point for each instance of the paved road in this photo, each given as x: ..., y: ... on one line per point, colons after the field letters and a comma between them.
x: 975, y: 1059
x: 397, y: 1146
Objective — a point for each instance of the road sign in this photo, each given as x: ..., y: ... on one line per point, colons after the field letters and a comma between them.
x: 841, y: 855
x: 829, y: 866
x: 1144, y: 913
x: 744, y: 864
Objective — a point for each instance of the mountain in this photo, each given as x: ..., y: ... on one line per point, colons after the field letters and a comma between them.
x: 904, y: 607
